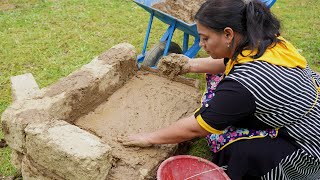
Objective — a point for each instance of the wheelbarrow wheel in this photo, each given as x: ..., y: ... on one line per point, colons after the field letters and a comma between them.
x: 154, y: 54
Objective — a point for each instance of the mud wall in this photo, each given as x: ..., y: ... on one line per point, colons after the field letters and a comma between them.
x: 38, y: 124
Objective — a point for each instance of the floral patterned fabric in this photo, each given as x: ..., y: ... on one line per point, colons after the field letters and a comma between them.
x: 217, y: 142
x: 231, y: 134
x: 212, y: 83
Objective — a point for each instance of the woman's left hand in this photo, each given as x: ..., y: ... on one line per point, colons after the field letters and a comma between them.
x: 139, y: 140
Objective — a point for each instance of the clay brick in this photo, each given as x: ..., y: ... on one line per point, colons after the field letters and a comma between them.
x: 16, y: 118
x: 31, y: 171
x: 16, y: 160
x: 67, y: 150
x: 23, y: 87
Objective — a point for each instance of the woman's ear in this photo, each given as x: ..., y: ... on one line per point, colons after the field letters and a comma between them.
x: 228, y: 34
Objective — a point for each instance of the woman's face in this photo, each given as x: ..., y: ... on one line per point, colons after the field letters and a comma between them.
x: 214, y: 43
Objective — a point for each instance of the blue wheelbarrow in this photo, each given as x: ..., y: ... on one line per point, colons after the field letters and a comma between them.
x: 166, y: 46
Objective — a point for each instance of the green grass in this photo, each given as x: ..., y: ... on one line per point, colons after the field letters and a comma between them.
x: 200, y: 148
x: 5, y: 166
x: 51, y: 39
x: 301, y: 25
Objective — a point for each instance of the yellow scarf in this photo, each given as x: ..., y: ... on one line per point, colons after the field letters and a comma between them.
x: 285, y: 55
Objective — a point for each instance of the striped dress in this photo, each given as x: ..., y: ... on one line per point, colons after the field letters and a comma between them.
x: 287, y: 98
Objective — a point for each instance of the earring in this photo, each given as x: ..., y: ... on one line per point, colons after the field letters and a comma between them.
x: 228, y: 45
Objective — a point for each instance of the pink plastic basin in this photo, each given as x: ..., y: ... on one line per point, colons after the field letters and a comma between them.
x: 185, y: 167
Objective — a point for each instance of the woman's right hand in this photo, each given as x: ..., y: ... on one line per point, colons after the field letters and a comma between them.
x: 138, y: 140
x: 174, y: 64
x: 177, y: 64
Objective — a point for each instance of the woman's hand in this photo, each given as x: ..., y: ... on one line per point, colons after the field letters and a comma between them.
x: 177, y: 64
x: 139, y: 140
x: 174, y: 64
x: 183, y: 130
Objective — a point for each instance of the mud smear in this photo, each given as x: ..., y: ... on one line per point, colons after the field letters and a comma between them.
x: 144, y: 104
x: 184, y: 10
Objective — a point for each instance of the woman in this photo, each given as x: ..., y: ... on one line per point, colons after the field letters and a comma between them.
x: 267, y: 85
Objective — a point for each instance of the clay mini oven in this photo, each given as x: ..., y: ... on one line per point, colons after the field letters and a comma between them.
x: 68, y: 130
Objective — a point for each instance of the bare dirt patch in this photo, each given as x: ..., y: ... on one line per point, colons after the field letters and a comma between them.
x: 7, y: 6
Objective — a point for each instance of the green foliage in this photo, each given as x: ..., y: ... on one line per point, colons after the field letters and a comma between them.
x: 51, y: 38
x: 200, y: 148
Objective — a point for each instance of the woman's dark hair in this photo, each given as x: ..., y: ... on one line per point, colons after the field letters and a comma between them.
x: 250, y: 18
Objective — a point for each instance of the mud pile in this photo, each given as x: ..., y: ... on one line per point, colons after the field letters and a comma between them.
x: 184, y: 10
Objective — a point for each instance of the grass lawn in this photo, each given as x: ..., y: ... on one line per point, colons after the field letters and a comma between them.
x: 51, y: 39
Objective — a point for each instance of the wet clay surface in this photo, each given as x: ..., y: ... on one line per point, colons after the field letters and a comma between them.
x: 146, y: 103
x: 173, y: 65
x: 184, y: 10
